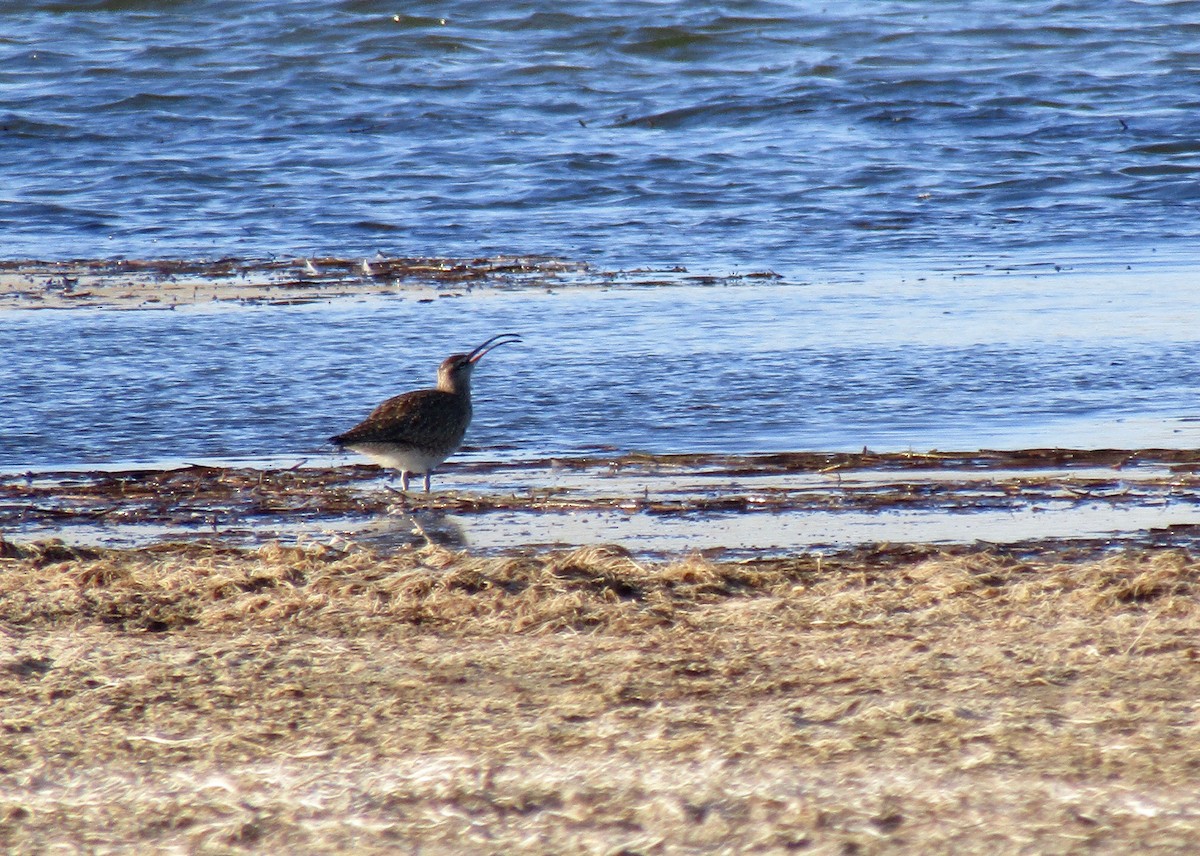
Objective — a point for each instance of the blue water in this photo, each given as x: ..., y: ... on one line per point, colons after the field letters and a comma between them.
x: 1073, y: 360
x: 747, y: 134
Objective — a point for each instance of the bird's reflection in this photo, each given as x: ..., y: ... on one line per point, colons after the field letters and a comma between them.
x: 404, y: 526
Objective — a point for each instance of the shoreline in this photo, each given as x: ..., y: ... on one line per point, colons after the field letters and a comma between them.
x: 658, y: 506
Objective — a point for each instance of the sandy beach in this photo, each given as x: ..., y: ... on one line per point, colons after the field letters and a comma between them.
x: 890, y: 699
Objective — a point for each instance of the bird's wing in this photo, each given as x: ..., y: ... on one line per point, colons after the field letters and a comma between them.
x: 423, y: 417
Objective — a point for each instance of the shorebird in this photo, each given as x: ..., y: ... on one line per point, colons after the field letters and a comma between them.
x: 416, y: 431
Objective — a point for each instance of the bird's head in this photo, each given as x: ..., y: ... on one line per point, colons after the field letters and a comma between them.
x: 454, y: 374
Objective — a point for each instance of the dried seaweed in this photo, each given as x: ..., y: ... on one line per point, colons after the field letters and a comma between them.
x: 889, y: 699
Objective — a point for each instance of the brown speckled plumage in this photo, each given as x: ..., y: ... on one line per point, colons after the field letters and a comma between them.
x: 416, y: 431
x: 427, y: 419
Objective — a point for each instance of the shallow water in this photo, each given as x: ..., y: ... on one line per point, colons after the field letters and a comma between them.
x: 1085, y: 360
x: 794, y: 135
x: 653, y: 505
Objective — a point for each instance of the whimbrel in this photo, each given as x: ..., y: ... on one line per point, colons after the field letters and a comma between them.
x: 416, y: 431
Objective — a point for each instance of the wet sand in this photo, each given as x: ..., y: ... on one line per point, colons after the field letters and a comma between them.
x: 652, y: 505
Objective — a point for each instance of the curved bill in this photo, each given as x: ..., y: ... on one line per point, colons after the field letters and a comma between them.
x: 492, y: 343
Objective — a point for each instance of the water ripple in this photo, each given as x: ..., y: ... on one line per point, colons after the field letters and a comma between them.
x: 749, y: 134
x: 985, y: 362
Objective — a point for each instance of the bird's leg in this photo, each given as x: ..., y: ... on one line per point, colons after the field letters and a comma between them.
x: 404, y: 480
x: 428, y: 473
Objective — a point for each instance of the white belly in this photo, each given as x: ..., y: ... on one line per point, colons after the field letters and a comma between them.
x: 405, y: 459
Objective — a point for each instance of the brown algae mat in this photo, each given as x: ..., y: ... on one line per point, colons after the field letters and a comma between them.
x: 166, y: 283
x: 191, y: 698
x: 655, y: 505
x: 122, y: 284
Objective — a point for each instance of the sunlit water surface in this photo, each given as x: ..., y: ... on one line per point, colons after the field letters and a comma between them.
x: 791, y: 135
x: 950, y: 362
